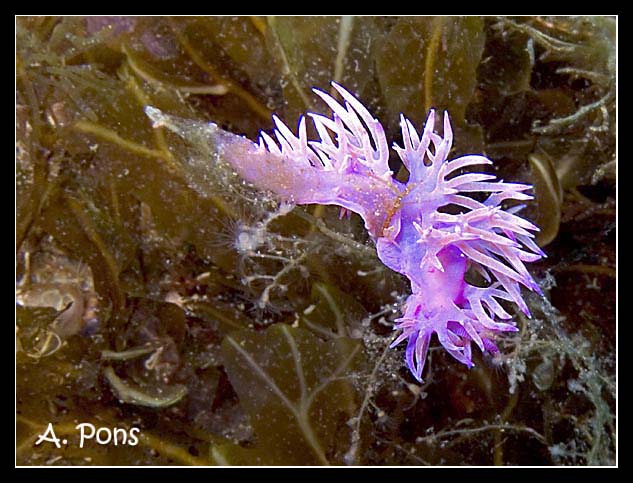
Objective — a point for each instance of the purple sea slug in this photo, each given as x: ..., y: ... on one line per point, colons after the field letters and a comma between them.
x: 429, y: 228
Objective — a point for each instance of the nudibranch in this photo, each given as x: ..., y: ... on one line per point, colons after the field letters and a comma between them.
x: 429, y: 229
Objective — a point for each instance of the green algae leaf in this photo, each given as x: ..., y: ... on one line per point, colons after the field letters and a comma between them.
x: 313, y: 51
x: 507, y: 62
x: 431, y: 62
x: 333, y: 312
x: 586, y: 43
x: 296, y: 390
x: 549, y: 197
x: 91, y: 230
x: 232, y: 46
x: 222, y: 61
x: 157, y: 398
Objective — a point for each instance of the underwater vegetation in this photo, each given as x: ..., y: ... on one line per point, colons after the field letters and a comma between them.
x: 158, y: 288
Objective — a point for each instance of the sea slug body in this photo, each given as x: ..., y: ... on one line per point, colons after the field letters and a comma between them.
x: 430, y: 228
